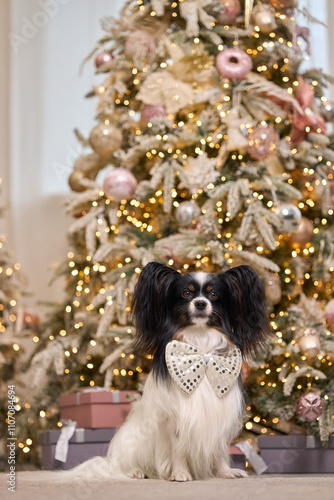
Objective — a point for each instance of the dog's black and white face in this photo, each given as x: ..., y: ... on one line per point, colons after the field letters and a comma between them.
x: 165, y: 302
x: 197, y: 299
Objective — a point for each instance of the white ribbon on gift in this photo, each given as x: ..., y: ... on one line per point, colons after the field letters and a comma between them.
x: 80, y: 435
x: 257, y: 462
x: 310, y: 441
x: 193, y: 12
x: 62, y: 445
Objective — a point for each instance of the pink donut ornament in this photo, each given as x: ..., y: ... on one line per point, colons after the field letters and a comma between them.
x: 233, y: 63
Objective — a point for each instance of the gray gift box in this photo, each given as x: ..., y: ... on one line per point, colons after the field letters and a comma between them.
x: 84, y: 444
x: 88, y: 443
x: 238, y: 460
x: 297, y: 454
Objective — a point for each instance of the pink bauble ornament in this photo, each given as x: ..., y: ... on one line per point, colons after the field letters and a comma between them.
x: 119, y: 184
x: 140, y: 43
x: 102, y: 59
x: 262, y: 142
x: 310, y: 406
x: 232, y: 9
x: 233, y: 63
x: 329, y: 313
x: 105, y: 139
x: 153, y: 111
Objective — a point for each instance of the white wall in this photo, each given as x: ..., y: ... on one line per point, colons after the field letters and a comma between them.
x: 319, y: 34
x: 4, y: 113
x: 48, y: 41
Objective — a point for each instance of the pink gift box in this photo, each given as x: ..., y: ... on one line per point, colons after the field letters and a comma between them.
x: 96, y: 409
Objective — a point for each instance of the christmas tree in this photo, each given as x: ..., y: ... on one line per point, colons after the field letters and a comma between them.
x: 18, y: 331
x: 209, y: 151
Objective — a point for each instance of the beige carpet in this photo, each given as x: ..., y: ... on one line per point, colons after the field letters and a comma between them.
x: 253, y: 488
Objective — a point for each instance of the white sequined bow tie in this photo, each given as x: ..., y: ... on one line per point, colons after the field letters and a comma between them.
x: 188, y: 365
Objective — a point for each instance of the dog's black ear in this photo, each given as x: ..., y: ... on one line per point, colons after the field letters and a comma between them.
x: 151, y: 307
x: 244, y: 309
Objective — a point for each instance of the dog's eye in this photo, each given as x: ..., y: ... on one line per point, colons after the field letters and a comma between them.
x: 186, y: 294
x: 213, y: 295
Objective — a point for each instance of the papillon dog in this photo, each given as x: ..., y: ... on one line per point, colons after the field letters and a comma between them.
x: 197, y: 327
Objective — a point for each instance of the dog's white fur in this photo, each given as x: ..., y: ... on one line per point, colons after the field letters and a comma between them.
x: 172, y: 435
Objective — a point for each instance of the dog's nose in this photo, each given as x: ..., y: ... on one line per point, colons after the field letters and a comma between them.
x: 200, y: 305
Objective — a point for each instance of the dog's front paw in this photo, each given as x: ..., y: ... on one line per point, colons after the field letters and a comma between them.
x: 232, y: 473
x: 182, y: 475
x: 137, y: 474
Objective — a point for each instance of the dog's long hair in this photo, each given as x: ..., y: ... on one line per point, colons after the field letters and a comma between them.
x: 240, y: 312
x: 171, y: 434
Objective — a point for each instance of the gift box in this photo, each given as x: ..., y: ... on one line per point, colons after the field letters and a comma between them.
x: 83, y: 445
x: 96, y: 409
x: 297, y: 454
x: 238, y: 460
x: 88, y: 443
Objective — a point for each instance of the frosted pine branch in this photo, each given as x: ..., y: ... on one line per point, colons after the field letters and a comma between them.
x: 106, y: 318
x: 257, y: 260
x: 292, y: 378
x: 91, y: 236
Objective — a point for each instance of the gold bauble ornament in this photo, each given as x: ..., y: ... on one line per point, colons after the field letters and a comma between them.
x: 74, y: 181
x: 105, y: 139
x: 273, y: 289
x: 89, y: 165
x: 309, y: 342
x: 86, y: 162
x: 264, y: 17
x: 303, y: 234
